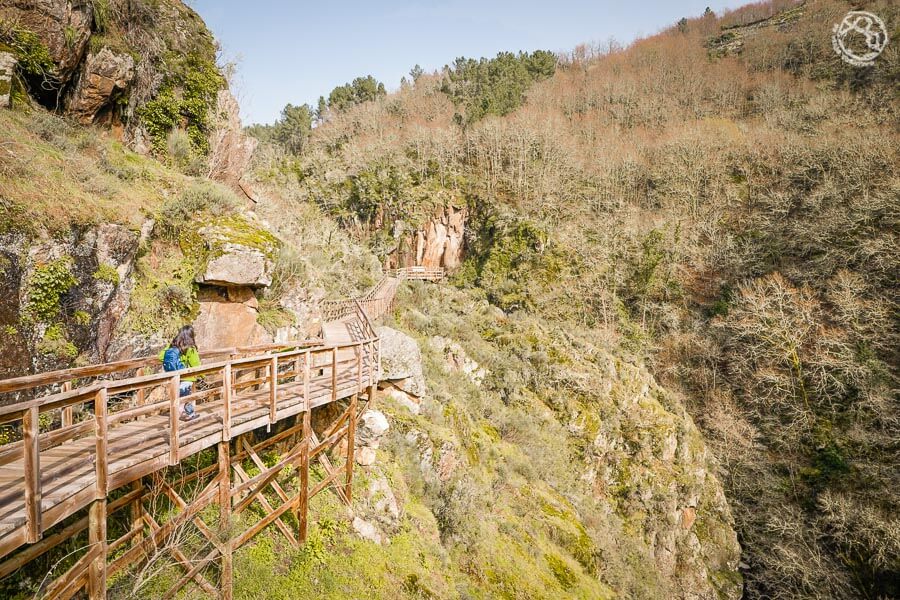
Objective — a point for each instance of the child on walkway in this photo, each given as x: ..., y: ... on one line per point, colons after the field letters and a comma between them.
x: 182, y: 354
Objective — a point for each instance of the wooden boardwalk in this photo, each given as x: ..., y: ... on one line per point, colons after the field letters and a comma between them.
x: 131, y: 431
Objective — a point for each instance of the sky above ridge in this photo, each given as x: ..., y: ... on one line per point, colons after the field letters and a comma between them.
x: 293, y: 52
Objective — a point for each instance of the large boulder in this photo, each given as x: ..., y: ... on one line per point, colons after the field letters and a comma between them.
x: 401, y: 361
x: 7, y: 69
x: 104, y: 75
x: 241, y: 252
x: 63, y: 26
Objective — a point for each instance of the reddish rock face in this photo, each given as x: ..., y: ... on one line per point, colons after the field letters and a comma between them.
x: 439, y: 244
x: 228, y: 318
x: 104, y: 75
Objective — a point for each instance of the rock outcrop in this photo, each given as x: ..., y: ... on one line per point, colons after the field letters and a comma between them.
x: 401, y: 361
x: 241, y: 252
x: 650, y: 461
x: 230, y: 149
x: 62, y: 297
x: 63, y: 26
x: 7, y: 70
x: 105, y: 75
x: 440, y: 243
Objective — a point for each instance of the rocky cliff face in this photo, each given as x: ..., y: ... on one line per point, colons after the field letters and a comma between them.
x: 63, y: 297
x: 439, y: 243
x: 146, y: 67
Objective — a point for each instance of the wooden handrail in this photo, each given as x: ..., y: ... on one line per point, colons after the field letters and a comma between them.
x: 24, y: 382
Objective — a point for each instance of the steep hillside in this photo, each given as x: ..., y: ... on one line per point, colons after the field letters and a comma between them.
x: 699, y: 228
x: 719, y: 200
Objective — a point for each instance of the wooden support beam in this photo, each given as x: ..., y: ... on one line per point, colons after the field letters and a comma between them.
x: 351, y: 442
x: 248, y: 534
x: 32, y: 464
x: 226, y: 583
x: 302, y: 510
x: 48, y: 543
x: 192, y: 574
x: 267, y: 506
x: 326, y: 463
x: 97, y: 539
x: 197, y: 521
x: 137, y: 523
x: 262, y: 467
x: 186, y: 563
x: 74, y: 579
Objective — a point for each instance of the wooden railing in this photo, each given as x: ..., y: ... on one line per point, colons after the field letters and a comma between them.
x: 379, y: 301
x: 425, y: 273
x: 278, y: 378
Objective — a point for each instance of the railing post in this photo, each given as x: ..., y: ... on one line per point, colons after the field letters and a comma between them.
x: 359, y: 353
x: 306, y: 361
x: 140, y: 398
x: 67, y: 418
x: 226, y: 403
x: 32, y: 464
x: 100, y: 413
x: 174, y: 391
x: 273, y: 389
x: 334, y: 374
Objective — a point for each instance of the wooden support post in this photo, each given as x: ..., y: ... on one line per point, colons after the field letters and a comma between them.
x: 226, y: 403
x: 174, y: 409
x: 32, y: 463
x: 351, y: 442
x: 67, y: 418
x: 303, y: 496
x: 102, y: 441
x: 136, y: 512
x: 97, y: 538
x: 226, y: 583
x: 273, y: 389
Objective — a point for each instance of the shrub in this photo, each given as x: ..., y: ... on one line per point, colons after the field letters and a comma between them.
x: 202, y: 197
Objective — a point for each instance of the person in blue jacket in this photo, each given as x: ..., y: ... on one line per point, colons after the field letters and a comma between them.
x: 182, y: 354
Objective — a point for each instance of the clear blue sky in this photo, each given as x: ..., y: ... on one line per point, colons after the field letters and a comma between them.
x: 294, y: 51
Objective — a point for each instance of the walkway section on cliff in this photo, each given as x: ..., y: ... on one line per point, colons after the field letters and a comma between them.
x: 103, y: 437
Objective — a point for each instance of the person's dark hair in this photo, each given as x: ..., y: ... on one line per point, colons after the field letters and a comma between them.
x: 184, y: 339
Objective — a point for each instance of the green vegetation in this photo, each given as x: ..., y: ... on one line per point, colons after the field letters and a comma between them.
x: 45, y: 288
x: 185, y: 99
x: 54, y: 343
x: 33, y: 56
x: 361, y: 89
x: 495, y: 86
x: 107, y: 273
